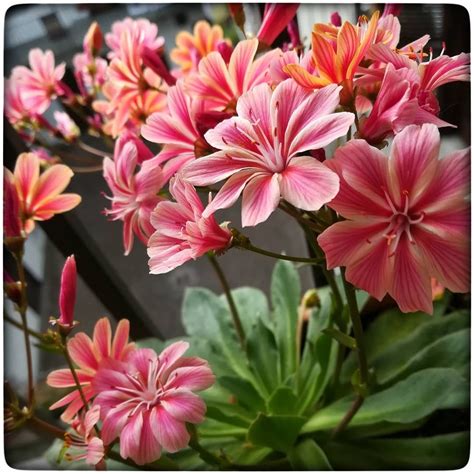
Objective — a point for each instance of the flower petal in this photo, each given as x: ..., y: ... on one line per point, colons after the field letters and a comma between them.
x: 26, y: 175
x: 102, y: 338
x: 260, y: 198
x: 184, y: 406
x: 308, y: 184
x: 411, y: 283
x: 51, y: 183
x: 170, y: 432
x: 81, y: 352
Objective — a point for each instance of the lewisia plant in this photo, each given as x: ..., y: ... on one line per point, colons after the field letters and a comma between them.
x: 340, y: 128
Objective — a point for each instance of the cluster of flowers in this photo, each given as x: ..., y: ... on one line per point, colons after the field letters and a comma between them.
x: 142, y: 398
x: 258, y: 119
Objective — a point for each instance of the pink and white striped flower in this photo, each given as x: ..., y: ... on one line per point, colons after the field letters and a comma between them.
x: 40, y: 195
x: 146, y: 401
x: 182, y: 233
x: 89, y: 356
x: 40, y: 83
x: 177, y: 130
x: 260, y: 151
x: 221, y: 84
x: 134, y: 193
x: 146, y: 31
x: 408, y: 218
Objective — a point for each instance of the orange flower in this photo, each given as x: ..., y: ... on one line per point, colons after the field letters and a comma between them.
x: 337, y: 52
x: 191, y: 48
x: 40, y: 196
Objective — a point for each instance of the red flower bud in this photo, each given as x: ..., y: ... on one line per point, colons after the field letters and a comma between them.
x: 67, y: 294
x: 93, y: 40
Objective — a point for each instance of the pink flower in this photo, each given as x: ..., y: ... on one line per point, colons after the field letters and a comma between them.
x: 142, y: 28
x: 147, y: 401
x: 176, y: 129
x: 134, y: 194
x: 276, y: 18
x: 260, y: 151
x: 67, y: 294
x: 408, y: 218
x: 85, y: 444
x: 221, y: 84
x: 182, y: 233
x: 66, y: 126
x: 90, y: 71
x: 191, y: 48
x: 89, y: 356
x: 396, y: 106
x: 430, y: 75
x: 40, y: 196
x: 41, y: 83
x: 15, y: 109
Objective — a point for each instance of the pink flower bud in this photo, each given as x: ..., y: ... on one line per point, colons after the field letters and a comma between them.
x: 153, y: 60
x: 392, y: 9
x: 67, y: 295
x: 225, y: 50
x: 336, y: 19
x: 93, y: 40
x: 275, y: 19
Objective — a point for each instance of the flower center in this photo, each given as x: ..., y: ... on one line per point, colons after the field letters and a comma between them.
x: 400, y: 222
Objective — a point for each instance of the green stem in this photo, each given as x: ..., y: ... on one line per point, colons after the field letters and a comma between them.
x: 22, y: 308
x: 206, y: 455
x: 233, y: 308
x: 73, y: 372
x: 312, y: 261
x: 361, y: 356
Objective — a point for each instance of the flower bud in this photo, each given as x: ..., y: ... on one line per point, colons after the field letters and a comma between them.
x: 336, y: 19
x: 67, y: 295
x: 153, y: 60
x: 93, y: 40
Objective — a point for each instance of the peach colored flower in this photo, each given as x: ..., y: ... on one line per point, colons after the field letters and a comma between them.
x: 337, y: 52
x: 40, y: 195
x: 191, y: 48
x: 89, y: 356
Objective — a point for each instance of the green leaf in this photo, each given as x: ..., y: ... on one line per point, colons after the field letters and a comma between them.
x: 231, y: 414
x: 443, y: 452
x: 313, y: 388
x: 262, y: 352
x: 276, y: 431
x: 308, y: 456
x: 244, y: 392
x: 286, y: 293
x: 451, y: 351
x: 407, y: 401
x: 394, y: 337
x: 252, y: 306
x: 283, y: 402
x: 216, y: 429
x: 206, y: 317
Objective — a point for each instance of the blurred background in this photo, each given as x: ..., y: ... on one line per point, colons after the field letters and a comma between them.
x: 120, y: 286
